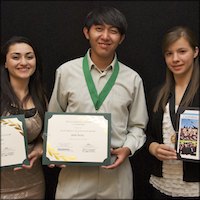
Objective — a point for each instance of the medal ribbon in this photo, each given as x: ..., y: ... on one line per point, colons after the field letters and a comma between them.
x: 99, y: 99
x: 176, y: 115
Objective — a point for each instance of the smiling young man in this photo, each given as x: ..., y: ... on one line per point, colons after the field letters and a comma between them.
x: 124, y: 98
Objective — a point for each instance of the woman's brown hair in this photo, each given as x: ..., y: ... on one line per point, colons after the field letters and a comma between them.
x: 170, y: 37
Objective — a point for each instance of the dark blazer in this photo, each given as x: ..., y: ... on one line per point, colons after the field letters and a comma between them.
x: 191, y: 172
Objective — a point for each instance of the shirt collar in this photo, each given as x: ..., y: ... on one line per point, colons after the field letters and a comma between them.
x: 91, y: 64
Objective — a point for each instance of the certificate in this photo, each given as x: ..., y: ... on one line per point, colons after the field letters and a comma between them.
x: 13, y: 141
x: 77, y: 139
x: 188, y: 136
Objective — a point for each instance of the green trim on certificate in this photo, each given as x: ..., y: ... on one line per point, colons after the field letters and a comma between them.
x: 77, y: 139
x: 13, y: 141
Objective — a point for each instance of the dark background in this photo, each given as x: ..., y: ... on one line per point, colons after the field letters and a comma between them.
x: 56, y: 29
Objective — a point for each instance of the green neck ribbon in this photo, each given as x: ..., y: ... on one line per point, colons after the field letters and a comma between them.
x: 98, y: 99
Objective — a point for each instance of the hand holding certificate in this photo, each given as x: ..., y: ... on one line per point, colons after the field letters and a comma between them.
x: 13, y: 141
x: 82, y: 139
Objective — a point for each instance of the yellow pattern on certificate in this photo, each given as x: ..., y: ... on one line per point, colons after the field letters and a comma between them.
x: 11, y: 123
x: 52, y: 152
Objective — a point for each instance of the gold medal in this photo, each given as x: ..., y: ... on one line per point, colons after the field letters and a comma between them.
x: 173, y: 138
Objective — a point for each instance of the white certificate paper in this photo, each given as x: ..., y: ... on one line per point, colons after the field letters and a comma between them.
x: 82, y: 139
x: 188, y: 136
x: 13, y: 141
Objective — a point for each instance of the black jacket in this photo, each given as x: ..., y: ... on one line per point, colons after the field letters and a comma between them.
x: 154, y: 133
